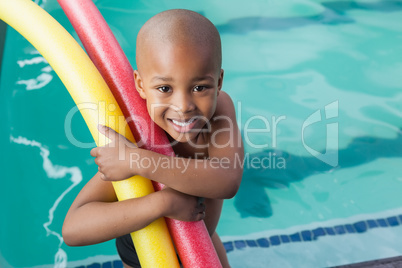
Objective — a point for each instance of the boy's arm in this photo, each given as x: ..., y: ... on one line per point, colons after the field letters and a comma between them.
x: 220, y: 250
x: 95, y: 215
x: 217, y: 177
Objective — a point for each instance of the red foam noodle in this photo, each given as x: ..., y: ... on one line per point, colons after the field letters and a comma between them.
x: 191, y: 239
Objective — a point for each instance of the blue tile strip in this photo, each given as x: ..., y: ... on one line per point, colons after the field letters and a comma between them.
x: 251, y: 243
x: 311, y: 235
x: 382, y: 222
x: 240, y: 244
x: 295, y: 237
x: 263, y: 242
x: 340, y: 229
x: 285, y: 239
x: 302, y: 236
x: 107, y: 264
x: 393, y: 221
x: 274, y: 240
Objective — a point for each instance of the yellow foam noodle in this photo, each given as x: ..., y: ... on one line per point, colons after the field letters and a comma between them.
x: 97, y: 106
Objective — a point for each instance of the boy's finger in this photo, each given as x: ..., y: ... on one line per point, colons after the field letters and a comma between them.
x: 94, y: 152
x: 107, y: 131
x: 201, y: 216
x: 202, y: 207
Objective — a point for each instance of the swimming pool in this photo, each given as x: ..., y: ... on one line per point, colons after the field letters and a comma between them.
x: 317, y: 90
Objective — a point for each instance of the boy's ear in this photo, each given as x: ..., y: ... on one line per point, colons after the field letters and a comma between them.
x: 138, y: 84
x: 220, y: 81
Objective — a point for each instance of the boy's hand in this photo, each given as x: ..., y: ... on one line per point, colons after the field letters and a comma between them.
x: 113, y: 158
x: 181, y: 206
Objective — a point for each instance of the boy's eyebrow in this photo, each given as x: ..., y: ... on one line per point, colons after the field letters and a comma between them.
x: 170, y: 79
x: 207, y: 77
x: 165, y: 79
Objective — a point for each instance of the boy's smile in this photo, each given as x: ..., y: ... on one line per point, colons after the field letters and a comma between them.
x: 180, y: 82
x: 184, y: 125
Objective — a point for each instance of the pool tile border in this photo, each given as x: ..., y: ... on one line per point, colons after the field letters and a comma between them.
x: 311, y: 235
x: 109, y: 264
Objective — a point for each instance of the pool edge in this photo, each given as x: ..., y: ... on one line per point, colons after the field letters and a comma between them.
x: 381, y: 263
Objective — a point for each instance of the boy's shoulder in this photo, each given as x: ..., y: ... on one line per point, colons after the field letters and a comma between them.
x: 224, y: 106
x: 223, y: 95
x: 224, y: 116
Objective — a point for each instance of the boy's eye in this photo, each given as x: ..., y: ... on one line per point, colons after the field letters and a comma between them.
x: 199, y: 88
x: 164, y: 89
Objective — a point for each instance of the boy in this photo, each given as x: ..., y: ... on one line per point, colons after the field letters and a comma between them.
x: 180, y: 77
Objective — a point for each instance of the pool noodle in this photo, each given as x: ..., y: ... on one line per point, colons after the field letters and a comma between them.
x: 191, y: 239
x: 96, y: 103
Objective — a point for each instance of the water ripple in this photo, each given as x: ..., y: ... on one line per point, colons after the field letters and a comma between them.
x: 54, y: 172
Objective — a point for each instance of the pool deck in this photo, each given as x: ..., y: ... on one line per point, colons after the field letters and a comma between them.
x: 394, y: 262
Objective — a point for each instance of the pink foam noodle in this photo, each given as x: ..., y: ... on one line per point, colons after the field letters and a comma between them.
x: 191, y: 239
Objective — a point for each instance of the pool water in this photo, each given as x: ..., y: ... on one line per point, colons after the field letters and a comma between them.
x: 317, y: 89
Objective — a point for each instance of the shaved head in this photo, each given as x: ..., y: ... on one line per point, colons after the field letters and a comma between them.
x: 178, y: 27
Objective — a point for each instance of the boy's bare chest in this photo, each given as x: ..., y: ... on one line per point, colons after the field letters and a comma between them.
x: 189, y: 151
x: 194, y: 150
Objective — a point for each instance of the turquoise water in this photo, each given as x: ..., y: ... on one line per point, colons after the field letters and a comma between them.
x: 286, y: 64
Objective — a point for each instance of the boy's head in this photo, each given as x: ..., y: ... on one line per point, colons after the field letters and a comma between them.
x: 179, y: 71
x: 178, y: 26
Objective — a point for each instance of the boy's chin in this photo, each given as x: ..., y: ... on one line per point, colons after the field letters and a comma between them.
x: 182, y: 137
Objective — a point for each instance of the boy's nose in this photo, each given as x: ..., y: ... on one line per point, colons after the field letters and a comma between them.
x: 184, y: 103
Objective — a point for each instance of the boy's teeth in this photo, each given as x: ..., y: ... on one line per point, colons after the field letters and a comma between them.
x: 183, y: 124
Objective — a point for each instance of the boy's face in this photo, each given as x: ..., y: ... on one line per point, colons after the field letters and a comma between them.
x: 180, y: 83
